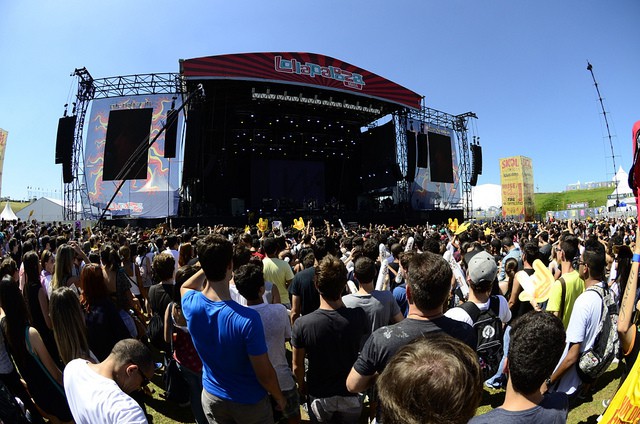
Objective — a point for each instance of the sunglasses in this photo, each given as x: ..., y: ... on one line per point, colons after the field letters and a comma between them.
x: 145, y: 380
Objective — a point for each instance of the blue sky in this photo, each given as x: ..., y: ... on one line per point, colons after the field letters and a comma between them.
x: 520, y: 66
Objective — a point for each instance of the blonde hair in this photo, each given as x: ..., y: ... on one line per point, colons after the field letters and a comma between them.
x: 69, y: 328
x: 64, y: 264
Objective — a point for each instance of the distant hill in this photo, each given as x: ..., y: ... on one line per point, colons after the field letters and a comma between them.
x: 558, y: 201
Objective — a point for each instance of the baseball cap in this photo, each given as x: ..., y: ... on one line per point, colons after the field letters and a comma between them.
x: 482, y: 268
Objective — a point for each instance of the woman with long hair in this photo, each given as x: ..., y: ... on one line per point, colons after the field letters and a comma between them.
x: 10, y: 377
x: 132, y: 271
x: 119, y: 288
x: 176, y: 334
x: 510, y: 269
x: 47, y: 264
x: 38, y: 302
x: 185, y: 254
x: 104, y: 325
x: 63, y: 270
x: 69, y: 328
x: 43, y: 377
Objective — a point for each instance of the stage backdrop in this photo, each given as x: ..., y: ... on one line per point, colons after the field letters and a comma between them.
x: 155, y: 193
x: 438, y: 184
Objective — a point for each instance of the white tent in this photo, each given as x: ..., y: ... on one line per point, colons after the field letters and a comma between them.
x: 625, y: 194
x: 7, y: 214
x: 44, y: 210
x: 486, y: 196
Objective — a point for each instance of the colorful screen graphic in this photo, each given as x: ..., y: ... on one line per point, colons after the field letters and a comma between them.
x: 153, y: 197
x: 424, y: 192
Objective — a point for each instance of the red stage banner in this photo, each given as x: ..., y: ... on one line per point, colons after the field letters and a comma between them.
x: 308, y: 69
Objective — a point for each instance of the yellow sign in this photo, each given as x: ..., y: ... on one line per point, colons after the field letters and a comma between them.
x: 516, y: 177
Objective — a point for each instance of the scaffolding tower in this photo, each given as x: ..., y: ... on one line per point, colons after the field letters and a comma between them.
x: 88, y: 90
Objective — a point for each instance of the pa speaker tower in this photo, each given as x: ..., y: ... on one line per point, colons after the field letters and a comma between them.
x: 64, y: 146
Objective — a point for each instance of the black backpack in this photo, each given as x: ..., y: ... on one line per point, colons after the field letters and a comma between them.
x: 488, y: 328
x: 10, y: 411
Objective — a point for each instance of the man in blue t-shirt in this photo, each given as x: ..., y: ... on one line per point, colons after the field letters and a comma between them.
x: 237, y: 375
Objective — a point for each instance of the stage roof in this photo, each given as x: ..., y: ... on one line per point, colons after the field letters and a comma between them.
x: 303, y: 69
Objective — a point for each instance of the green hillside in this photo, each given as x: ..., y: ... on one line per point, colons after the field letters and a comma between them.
x: 558, y: 201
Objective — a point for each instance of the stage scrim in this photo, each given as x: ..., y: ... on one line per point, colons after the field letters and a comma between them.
x: 151, y: 197
x: 437, y: 185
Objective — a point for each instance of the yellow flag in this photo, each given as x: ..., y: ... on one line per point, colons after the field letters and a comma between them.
x: 298, y: 224
x: 263, y: 225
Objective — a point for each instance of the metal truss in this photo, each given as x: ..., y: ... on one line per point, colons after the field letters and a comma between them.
x: 135, y: 85
x: 458, y: 124
x: 77, y: 189
x: 89, y: 89
x: 400, y: 123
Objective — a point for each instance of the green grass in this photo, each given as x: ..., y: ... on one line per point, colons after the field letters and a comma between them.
x: 165, y: 412
x: 586, y: 412
x: 558, y: 201
x: 15, y: 205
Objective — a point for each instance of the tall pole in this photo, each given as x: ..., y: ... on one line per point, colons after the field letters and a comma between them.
x: 606, y: 121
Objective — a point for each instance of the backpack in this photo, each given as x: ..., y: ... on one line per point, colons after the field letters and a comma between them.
x: 489, y: 331
x: 10, y: 410
x: 595, y: 361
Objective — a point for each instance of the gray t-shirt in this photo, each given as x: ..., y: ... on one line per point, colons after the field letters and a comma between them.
x: 277, y: 329
x: 552, y: 410
x: 380, y: 307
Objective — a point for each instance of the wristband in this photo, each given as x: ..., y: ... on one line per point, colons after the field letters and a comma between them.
x: 636, y: 257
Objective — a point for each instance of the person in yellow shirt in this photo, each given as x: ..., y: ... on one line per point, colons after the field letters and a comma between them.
x: 276, y: 270
x: 559, y: 305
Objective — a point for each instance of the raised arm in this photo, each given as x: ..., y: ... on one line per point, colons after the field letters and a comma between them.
x: 626, y: 329
x: 195, y: 282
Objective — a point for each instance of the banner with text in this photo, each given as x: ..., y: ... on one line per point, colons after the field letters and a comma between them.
x: 516, y: 177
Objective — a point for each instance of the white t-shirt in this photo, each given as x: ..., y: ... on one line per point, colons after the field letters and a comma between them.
x: 277, y: 328
x: 267, y: 297
x: 96, y: 399
x: 461, y: 315
x: 583, y: 327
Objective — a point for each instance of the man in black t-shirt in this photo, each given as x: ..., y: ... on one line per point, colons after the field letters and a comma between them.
x: 429, y: 281
x: 329, y: 338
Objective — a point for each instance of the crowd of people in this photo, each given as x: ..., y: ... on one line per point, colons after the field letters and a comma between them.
x: 258, y: 326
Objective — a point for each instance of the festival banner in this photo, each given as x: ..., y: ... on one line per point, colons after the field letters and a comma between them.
x: 154, y: 197
x: 309, y: 69
x: 516, y: 177
x: 3, y: 146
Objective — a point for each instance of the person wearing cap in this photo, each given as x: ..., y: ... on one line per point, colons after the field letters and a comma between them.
x: 429, y: 280
x: 481, y: 273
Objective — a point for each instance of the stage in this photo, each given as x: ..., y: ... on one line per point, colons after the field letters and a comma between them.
x: 272, y: 135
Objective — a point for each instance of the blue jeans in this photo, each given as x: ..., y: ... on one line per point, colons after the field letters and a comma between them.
x: 194, y: 380
x: 505, y: 346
